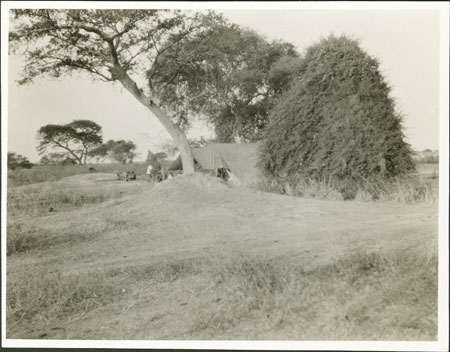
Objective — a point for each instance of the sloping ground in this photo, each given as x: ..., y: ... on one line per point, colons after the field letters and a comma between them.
x: 195, y: 258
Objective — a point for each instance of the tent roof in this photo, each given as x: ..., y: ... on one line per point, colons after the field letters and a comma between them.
x: 240, y: 158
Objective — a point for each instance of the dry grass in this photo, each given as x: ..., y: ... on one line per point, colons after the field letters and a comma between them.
x: 359, y: 294
x: 45, y: 197
x: 370, y: 296
x: 37, y: 174
x: 411, y: 189
x: 48, y: 294
x: 299, y: 188
x: 346, y: 299
x: 419, y: 188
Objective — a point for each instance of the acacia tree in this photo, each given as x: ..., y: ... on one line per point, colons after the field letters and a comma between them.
x: 77, y: 138
x: 110, y: 45
x: 99, y: 152
x: 226, y: 75
x: 88, y: 134
x: 121, y: 151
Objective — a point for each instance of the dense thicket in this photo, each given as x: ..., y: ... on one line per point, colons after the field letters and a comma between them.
x: 18, y: 161
x: 338, y: 121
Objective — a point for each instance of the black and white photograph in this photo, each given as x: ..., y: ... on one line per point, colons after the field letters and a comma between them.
x: 225, y: 175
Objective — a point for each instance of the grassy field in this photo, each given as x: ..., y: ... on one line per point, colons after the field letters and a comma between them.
x: 90, y: 257
x: 45, y: 173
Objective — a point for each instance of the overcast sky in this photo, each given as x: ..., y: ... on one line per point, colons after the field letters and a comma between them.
x: 405, y: 42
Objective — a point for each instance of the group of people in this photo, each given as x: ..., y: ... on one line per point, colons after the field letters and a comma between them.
x: 159, y: 174
x: 126, y: 176
x: 153, y: 173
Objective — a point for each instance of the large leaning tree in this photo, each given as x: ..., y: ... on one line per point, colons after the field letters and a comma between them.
x: 110, y: 45
x: 77, y: 138
x: 338, y: 121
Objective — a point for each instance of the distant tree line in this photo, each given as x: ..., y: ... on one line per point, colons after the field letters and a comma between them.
x: 18, y: 161
x: 79, y: 140
x: 121, y: 151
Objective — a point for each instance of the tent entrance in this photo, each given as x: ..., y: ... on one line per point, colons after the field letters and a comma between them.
x: 223, y: 173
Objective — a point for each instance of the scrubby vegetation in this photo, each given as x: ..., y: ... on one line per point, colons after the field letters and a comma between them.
x: 408, y: 189
x: 52, y: 196
x: 17, y: 161
x: 349, y: 292
x: 427, y: 156
x: 337, y: 123
x: 44, y: 173
x: 279, y: 295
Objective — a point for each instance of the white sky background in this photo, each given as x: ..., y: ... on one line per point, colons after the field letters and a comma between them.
x: 405, y: 41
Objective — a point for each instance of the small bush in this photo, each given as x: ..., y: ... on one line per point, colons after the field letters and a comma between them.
x: 17, y: 161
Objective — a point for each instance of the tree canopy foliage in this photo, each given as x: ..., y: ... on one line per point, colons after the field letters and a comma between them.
x: 77, y: 138
x: 225, y: 74
x: 18, y: 161
x: 120, y: 151
x: 337, y: 121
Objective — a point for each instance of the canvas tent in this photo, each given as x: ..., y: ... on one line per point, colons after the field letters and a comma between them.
x: 240, y: 159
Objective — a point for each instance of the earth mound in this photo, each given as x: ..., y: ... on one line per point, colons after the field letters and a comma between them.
x: 193, y: 186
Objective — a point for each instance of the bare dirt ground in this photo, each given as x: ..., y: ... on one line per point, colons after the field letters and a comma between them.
x: 172, y: 251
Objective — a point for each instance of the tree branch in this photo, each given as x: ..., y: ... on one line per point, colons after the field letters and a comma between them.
x: 66, y: 148
x: 171, y: 79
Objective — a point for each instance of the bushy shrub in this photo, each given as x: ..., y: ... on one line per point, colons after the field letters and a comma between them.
x: 337, y: 122
x: 17, y: 161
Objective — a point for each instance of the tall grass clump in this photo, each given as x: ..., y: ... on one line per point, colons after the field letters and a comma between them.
x: 48, y: 294
x: 307, y: 188
x: 407, y: 189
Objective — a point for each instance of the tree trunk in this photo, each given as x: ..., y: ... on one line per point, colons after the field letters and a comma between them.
x: 175, y: 132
